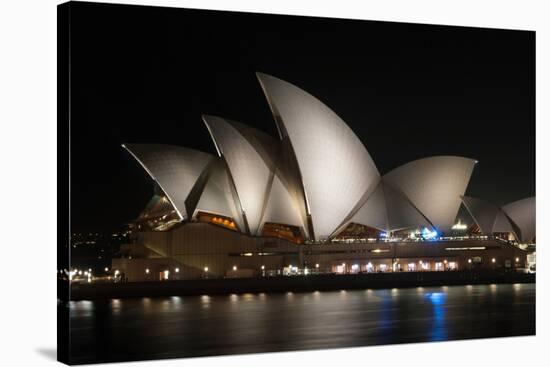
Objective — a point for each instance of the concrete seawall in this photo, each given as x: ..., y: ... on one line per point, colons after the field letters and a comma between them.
x: 293, y: 284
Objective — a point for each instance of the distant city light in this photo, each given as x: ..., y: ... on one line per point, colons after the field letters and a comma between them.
x: 147, y: 271
x: 177, y: 270
x: 493, y: 260
x: 317, y: 266
x: 106, y: 269
x: 263, y: 267
x: 205, y: 269
x: 517, y: 259
x: 234, y: 267
x: 469, y: 261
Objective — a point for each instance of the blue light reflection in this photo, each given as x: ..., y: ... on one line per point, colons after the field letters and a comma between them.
x: 439, y: 331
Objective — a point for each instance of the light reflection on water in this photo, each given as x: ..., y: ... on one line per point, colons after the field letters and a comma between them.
x: 120, y: 329
x: 439, y: 331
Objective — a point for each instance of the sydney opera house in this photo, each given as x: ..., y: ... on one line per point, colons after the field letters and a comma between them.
x: 308, y: 201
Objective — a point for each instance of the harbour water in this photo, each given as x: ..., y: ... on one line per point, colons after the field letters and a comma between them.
x: 172, y: 327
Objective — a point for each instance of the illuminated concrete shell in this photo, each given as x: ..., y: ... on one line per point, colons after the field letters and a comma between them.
x: 523, y: 214
x: 401, y: 212
x: 488, y: 216
x: 517, y: 217
x: 218, y: 196
x: 504, y: 224
x: 336, y: 170
x: 281, y: 207
x: 374, y: 212
x: 251, y: 158
x: 249, y: 172
x: 434, y: 186
x: 388, y: 210
x: 485, y: 214
x: 179, y: 172
x: 287, y: 170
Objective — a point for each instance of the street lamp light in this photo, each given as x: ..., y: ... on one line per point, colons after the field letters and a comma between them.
x: 234, y: 267
x: 177, y: 270
x: 147, y: 271
x: 493, y: 260
x: 206, y: 269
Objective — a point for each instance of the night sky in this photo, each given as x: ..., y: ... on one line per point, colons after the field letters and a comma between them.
x: 146, y: 74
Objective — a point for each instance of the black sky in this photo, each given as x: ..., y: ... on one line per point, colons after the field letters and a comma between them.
x: 146, y: 74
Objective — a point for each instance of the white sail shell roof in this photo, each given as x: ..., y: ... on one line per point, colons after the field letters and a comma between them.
x: 485, y: 215
x: 318, y: 176
x: 434, y: 185
x: 280, y: 207
x: 175, y: 169
x: 336, y: 169
x: 388, y: 210
x: 401, y: 212
x: 248, y: 169
x: 518, y: 217
x: 218, y: 196
x: 504, y: 224
x: 374, y: 212
x: 523, y: 213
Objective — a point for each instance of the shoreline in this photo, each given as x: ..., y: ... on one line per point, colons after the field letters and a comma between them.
x: 308, y: 283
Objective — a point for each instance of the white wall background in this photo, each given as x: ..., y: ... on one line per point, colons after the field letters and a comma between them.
x: 28, y: 180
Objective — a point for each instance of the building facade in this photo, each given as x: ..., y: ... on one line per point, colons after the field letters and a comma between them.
x: 311, y: 199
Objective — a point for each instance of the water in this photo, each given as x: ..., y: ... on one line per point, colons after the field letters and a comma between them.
x: 149, y: 328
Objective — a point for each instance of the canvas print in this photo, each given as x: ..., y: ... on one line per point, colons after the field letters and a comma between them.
x: 235, y: 183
